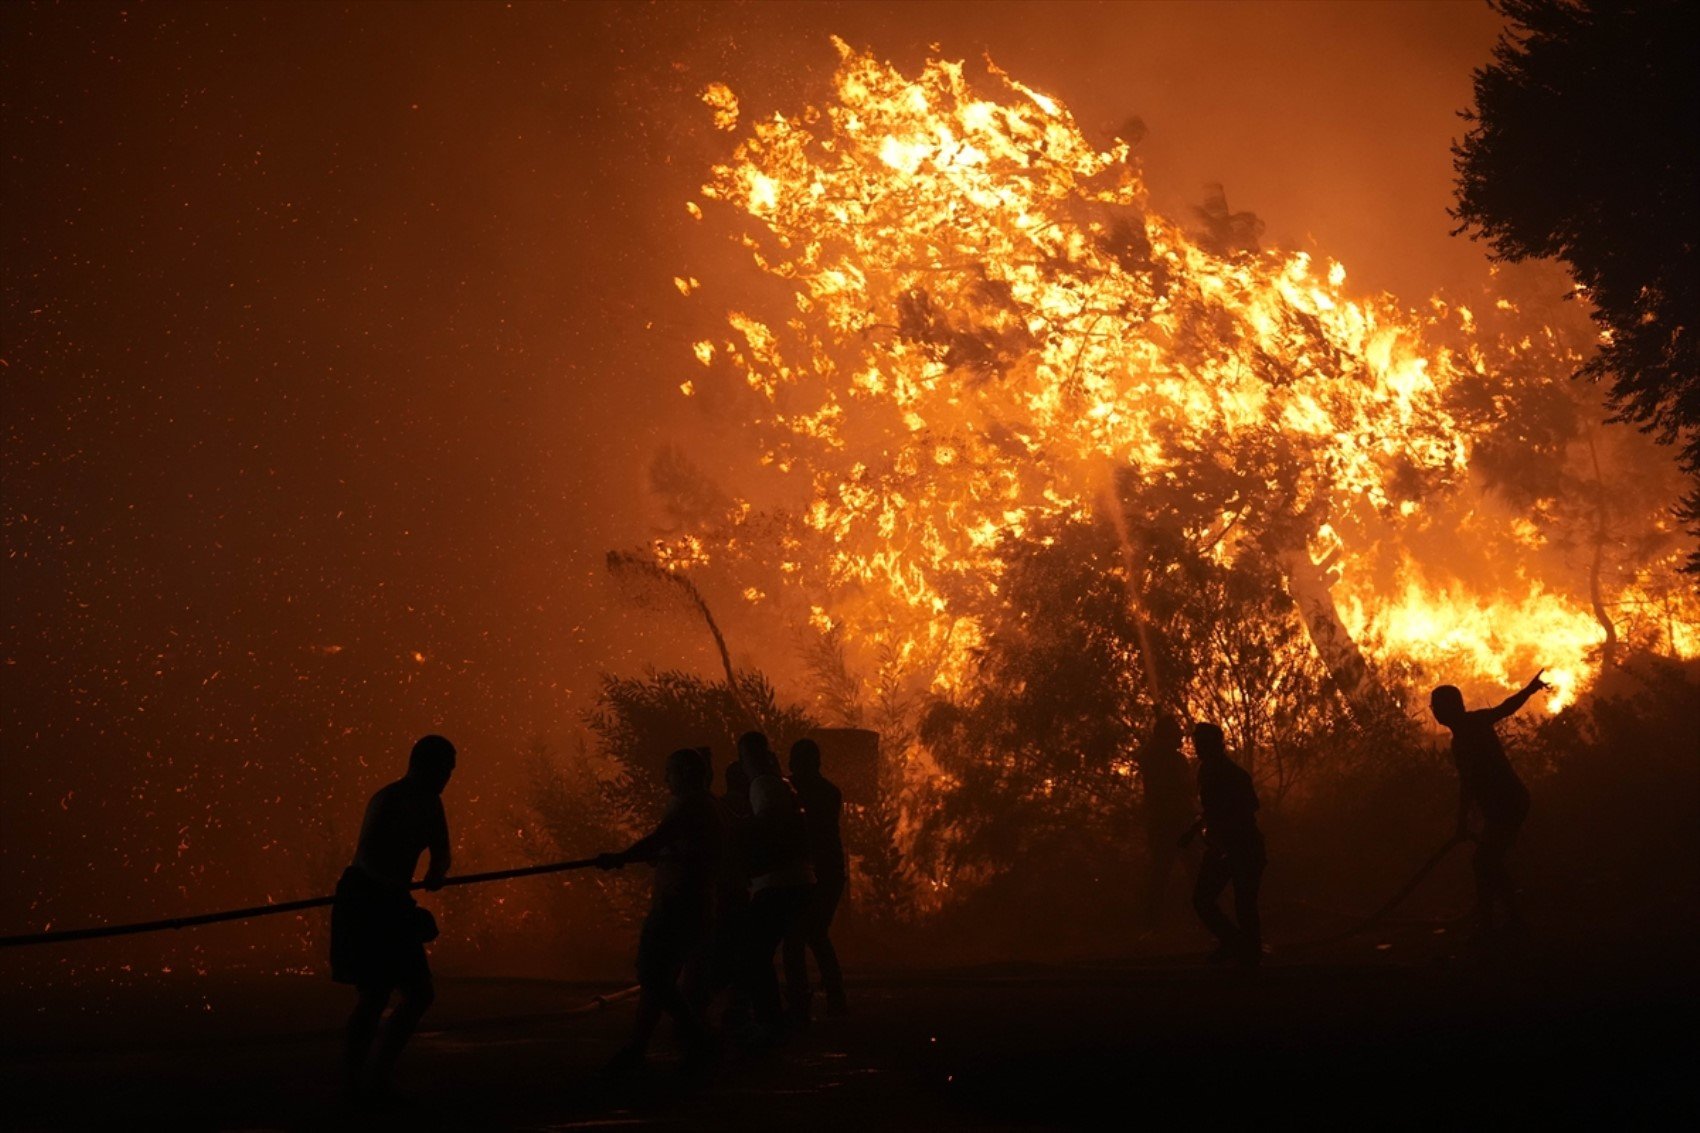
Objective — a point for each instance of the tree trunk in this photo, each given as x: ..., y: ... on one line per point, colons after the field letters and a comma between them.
x: 1608, y: 648
x: 1310, y: 586
x: 1115, y: 507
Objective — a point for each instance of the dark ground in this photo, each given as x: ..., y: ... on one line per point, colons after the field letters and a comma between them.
x: 1390, y: 1030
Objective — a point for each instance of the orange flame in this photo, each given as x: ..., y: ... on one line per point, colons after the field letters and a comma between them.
x: 984, y: 318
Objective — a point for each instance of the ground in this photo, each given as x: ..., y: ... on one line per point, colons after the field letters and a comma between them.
x: 1399, y: 1028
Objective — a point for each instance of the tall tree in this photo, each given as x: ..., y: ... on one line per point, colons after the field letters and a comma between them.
x: 1582, y: 147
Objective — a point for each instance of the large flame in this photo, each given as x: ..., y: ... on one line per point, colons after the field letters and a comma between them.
x: 982, y: 323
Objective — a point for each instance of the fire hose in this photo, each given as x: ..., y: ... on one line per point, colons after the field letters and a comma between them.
x: 1398, y: 898
x: 65, y: 935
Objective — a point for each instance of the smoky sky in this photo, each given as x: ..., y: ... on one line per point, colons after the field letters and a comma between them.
x: 337, y: 340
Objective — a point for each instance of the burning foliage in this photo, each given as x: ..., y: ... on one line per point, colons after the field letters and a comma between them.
x: 1060, y: 462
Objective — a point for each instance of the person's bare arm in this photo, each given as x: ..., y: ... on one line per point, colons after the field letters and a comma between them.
x: 1516, y: 700
x: 645, y: 849
x: 438, y: 847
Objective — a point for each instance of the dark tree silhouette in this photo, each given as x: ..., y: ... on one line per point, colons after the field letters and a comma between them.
x: 1035, y: 751
x: 637, y: 720
x: 1581, y: 147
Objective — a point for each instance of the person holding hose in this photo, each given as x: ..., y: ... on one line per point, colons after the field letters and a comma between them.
x: 378, y: 932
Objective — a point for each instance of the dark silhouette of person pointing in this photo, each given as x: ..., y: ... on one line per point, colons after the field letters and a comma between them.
x: 1487, y: 783
x: 686, y: 848
x: 823, y: 809
x: 1164, y: 775
x: 378, y: 932
x: 1233, y: 849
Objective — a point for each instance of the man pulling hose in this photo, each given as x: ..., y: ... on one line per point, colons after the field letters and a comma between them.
x: 378, y: 932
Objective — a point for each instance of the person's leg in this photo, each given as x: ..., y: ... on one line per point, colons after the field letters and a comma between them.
x: 417, y: 994
x: 697, y: 981
x: 1248, y: 880
x: 1487, y: 864
x: 674, y: 1002
x: 768, y: 919
x: 653, y: 975
x: 652, y: 1002
x: 661, y: 995
x: 1160, y: 853
x: 730, y: 949
x: 827, y: 896
x: 361, y: 1030
x: 797, y: 992
x: 1493, y: 880
x: 726, y: 951
x: 688, y: 942
x: 1507, y: 887
x: 1213, y: 877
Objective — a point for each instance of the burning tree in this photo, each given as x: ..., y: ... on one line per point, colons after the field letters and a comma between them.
x: 1587, y: 501
x: 1046, y: 443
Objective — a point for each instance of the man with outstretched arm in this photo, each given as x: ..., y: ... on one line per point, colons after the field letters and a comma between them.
x: 1488, y: 784
x: 378, y: 932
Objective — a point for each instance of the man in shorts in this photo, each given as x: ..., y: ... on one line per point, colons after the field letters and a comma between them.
x: 378, y: 932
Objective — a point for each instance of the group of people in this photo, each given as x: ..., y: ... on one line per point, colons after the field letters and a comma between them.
x: 761, y: 867
x: 737, y: 877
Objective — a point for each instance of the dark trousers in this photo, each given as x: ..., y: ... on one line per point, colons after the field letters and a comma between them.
x: 1161, y: 854
x: 362, y: 1031
x: 673, y: 934
x: 719, y: 964
x: 1493, y: 880
x: 770, y: 918
x: 811, y: 932
x: 377, y: 944
x: 1243, y: 869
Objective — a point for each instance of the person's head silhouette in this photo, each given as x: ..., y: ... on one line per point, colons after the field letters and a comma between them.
x: 1209, y: 742
x: 1166, y: 731
x: 685, y: 771
x: 805, y: 759
x: 1447, y: 704
x: 432, y: 762
x: 757, y: 757
x: 737, y: 780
